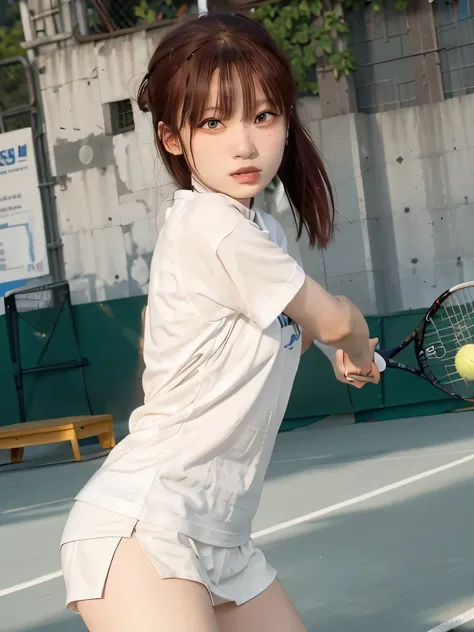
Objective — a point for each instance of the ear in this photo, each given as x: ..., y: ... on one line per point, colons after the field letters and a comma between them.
x: 170, y: 141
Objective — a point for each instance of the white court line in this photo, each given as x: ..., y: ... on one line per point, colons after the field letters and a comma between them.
x: 304, y: 458
x: 358, y: 499
x: 290, y: 523
x: 455, y: 622
x: 418, y: 455
x: 32, y: 582
x: 37, y: 506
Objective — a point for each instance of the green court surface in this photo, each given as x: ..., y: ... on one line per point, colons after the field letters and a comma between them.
x: 369, y: 526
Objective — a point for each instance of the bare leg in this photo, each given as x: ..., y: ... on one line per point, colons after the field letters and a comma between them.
x: 271, y: 611
x: 136, y: 598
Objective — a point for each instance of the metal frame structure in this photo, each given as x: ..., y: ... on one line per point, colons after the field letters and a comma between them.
x: 61, y: 298
x: 46, y: 181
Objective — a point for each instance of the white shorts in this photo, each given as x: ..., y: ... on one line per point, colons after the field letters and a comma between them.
x: 92, y: 535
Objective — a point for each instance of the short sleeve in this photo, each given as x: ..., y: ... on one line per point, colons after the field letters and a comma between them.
x: 237, y: 265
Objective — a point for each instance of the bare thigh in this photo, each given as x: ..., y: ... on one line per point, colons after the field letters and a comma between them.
x: 136, y: 598
x: 271, y: 611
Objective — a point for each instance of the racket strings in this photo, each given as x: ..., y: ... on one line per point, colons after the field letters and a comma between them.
x: 452, y: 327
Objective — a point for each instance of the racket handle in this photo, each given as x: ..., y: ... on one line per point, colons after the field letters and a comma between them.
x: 330, y: 352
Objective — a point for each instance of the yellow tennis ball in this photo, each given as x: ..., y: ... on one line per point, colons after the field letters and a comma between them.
x: 464, y: 362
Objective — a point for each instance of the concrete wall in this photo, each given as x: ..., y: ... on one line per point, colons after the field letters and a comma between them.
x: 402, y: 179
x: 405, y: 197
x: 110, y: 187
x: 345, y: 267
x: 419, y: 196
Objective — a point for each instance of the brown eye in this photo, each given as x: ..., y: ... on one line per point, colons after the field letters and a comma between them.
x: 264, y: 117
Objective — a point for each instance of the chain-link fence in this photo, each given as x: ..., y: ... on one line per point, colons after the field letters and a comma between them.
x: 14, y: 98
x: 107, y: 16
x: 457, y: 67
x: 385, y: 95
x: 455, y: 33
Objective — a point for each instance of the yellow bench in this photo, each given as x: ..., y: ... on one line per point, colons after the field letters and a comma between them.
x: 18, y: 436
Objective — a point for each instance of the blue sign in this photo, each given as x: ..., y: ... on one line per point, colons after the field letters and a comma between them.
x: 23, y: 251
x: 13, y: 155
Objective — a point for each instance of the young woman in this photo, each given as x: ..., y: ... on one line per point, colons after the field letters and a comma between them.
x: 159, y: 538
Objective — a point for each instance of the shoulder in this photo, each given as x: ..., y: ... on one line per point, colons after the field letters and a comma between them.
x: 207, y: 218
x: 209, y: 210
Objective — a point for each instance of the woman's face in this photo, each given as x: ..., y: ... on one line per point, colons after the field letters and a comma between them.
x: 235, y: 156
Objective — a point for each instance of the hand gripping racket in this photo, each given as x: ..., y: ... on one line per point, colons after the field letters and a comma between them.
x: 447, y: 326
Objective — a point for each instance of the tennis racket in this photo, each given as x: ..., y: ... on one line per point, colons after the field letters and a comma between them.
x: 447, y: 326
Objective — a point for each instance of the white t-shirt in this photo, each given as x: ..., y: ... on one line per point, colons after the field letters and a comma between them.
x: 220, y: 364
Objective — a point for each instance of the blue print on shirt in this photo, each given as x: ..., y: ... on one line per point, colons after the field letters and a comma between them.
x: 284, y: 322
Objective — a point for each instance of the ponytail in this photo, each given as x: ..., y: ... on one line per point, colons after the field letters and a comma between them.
x: 307, y: 185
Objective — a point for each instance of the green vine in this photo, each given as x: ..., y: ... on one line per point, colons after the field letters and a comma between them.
x: 313, y: 33
x: 151, y: 11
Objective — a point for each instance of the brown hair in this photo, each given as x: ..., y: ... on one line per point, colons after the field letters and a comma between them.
x: 175, y: 90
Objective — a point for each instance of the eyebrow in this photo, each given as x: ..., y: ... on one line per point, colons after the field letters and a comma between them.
x: 213, y: 108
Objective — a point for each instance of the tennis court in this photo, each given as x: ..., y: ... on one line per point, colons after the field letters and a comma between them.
x: 369, y: 525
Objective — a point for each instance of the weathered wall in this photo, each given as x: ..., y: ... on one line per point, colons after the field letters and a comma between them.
x: 419, y: 196
x: 402, y: 181
x: 346, y: 266
x: 110, y: 187
x: 405, y: 195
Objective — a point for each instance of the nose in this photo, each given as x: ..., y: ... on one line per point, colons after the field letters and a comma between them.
x: 243, y: 143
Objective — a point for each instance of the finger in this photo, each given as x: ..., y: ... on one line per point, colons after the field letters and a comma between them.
x: 372, y: 378
x: 353, y: 369
x: 338, y: 365
x: 362, y: 379
x: 373, y: 342
x: 340, y: 370
x: 366, y: 370
x: 342, y: 367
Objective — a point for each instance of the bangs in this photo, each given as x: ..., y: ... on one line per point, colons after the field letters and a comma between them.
x: 249, y: 66
x: 252, y: 65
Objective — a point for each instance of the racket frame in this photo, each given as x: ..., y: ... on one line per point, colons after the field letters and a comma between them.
x: 417, y: 337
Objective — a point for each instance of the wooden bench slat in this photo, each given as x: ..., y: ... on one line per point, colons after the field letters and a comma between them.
x: 38, y: 439
x: 47, y: 425
x: 18, y: 436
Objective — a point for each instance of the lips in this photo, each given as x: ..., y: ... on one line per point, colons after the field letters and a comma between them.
x: 246, y: 170
x: 247, y: 175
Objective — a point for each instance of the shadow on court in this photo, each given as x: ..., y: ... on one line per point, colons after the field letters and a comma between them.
x: 402, y: 561
x: 355, y: 443
x: 58, y: 624
x: 311, y: 450
x: 398, y: 562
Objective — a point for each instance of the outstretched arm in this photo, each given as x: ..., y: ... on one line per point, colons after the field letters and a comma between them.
x: 335, y: 321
